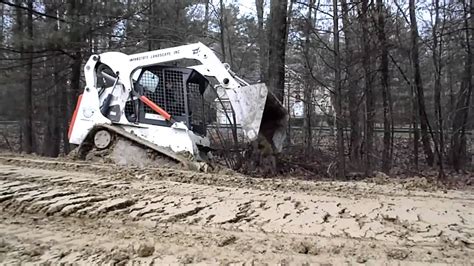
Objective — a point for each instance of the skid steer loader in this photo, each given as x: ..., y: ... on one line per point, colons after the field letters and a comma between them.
x: 141, y: 106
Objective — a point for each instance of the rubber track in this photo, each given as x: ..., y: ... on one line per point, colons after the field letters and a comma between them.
x: 185, y: 162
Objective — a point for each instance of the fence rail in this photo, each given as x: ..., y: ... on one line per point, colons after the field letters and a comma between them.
x: 315, y: 128
x: 13, y: 122
x: 331, y: 129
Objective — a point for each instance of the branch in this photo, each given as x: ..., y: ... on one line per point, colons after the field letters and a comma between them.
x: 400, y: 70
x: 31, y: 10
x: 13, y: 50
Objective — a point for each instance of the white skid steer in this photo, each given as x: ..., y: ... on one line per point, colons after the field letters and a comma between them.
x: 146, y: 100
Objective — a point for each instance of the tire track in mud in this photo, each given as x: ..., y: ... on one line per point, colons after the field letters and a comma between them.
x: 418, y: 224
x: 48, y: 192
x: 231, y: 179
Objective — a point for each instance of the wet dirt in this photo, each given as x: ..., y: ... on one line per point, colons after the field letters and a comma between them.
x: 63, y: 211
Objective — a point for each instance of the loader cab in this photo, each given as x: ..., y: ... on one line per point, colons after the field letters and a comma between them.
x: 179, y: 91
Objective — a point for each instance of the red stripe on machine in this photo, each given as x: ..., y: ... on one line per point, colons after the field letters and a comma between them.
x: 71, y: 125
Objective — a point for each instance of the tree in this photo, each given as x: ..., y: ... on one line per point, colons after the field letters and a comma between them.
x: 369, y: 95
x: 437, y: 62
x: 352, y: 86
x: 458, y: 140
x: 75, y: 38
x: 308, y: 95
x: 277, y: 47
x: 2, y: 24
x: 337, y: 87
x: 419, y: 93
x: 262, y: 45
x: 29, y: 139
x: 28, y: 105
x: 222, y: 29
x: 206, y: 16
x: 54, y: 117
x: 386, y: 95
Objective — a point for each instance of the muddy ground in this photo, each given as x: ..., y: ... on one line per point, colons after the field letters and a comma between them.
x: 61, y: 211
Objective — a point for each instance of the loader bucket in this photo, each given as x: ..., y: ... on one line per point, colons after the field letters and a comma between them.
x: 274, y: 121
x: 259, y: 112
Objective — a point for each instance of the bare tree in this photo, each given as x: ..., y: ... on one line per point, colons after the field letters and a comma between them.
x: 28, y: 111
x: 222, y: 29
x: 386, y: 94
x: 151, y: 14
x: 277, y: 47
x: 437, y: 62
x: 337, y: 86
x: 308, y: 101
x: 369, y: 95
x: 206, y: 16
x: 262, y: 45
x: 353, y: 89
x: 458, y: 140
x: 74, y: 9
x: 419, y: 94
x: 19, y: 46
x: 289, y: 18
x: 2, y: 23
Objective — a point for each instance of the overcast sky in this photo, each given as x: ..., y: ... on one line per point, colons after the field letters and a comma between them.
x: 247, y: 6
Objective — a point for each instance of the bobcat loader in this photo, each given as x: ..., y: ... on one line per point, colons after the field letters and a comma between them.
x: 141, y: 106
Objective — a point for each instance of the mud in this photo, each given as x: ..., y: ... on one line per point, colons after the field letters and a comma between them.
x: 59, y: 211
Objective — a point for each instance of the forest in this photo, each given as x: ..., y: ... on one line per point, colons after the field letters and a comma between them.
x: 398, y: 75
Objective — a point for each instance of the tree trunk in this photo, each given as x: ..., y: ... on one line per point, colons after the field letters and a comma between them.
x: 386, y: 95
x: 437, y: 51
x: 369, y: 96
x: 2, y: 21
x: 289, y: 15
x: 62, y: 99
x: 262, y: 45
x: 419, y: 86
x: 51, y: 141
x: 277, y: 47
x: 75, y: 38
x: 416, y: 131
x: 28, y: 112
x: 353, y: 88
x: 452, y: 102
x: 18, y: 33
x: 222, y: 30
x: 53, y: 115
x: 229, y: 42
x: 151, y: 20
x: 337, y: 86
x: 308, y: 104
x: 206, y: 16
x: 126, y: 32
x: 458, y: 140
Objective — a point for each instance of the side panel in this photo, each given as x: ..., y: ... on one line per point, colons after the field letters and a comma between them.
x: 86, y: 116
x: 73, y: 120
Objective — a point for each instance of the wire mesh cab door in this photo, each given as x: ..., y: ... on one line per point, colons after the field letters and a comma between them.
x: 176, y: 90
